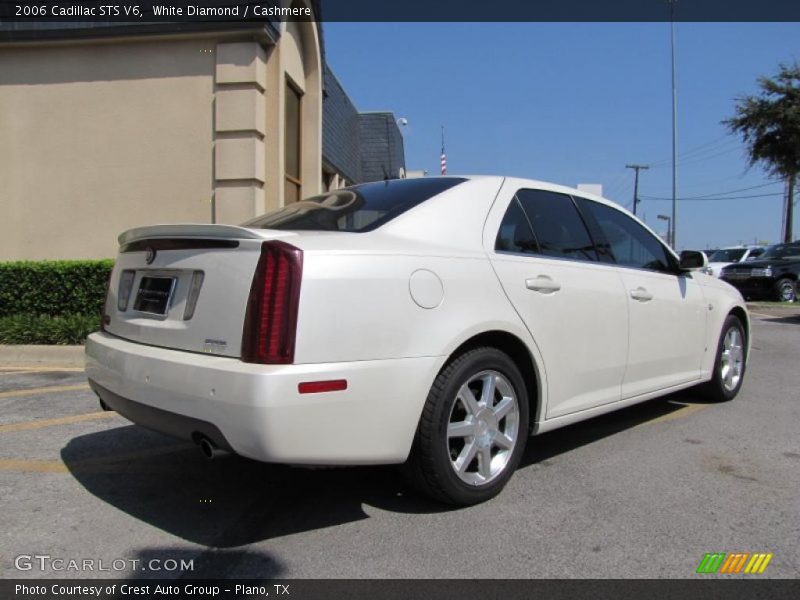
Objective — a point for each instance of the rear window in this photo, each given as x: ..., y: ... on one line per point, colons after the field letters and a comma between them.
x: 355, y: 209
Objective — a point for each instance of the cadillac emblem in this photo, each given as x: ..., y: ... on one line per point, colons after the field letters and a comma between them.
x: 150, y: 256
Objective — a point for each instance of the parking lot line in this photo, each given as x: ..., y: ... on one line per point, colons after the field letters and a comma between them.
x: 44, y: 390
x: 103, y: 464
x: 40, y: 423
x: 33, y: 466
x: 34, y: 369
x: 678, y: 414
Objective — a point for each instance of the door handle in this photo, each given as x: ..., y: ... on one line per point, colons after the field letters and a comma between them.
x: 543, y: 284
x: 641, y: 294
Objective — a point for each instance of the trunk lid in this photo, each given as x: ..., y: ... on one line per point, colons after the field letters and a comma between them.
x: 186, y: 285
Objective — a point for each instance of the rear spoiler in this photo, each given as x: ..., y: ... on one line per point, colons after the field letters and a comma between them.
x: 193, y: 230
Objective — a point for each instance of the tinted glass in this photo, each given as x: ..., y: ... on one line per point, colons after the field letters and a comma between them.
x: 292, y: 132
x: 782, y: 251
x: 515, y: 234
x: 631, y: 244
x: 729, y: 255
x: 557, y: 225
x: 291, y: 192
x: 358, y: 208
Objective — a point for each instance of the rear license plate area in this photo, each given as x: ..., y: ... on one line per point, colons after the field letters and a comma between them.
x: 154, y: 295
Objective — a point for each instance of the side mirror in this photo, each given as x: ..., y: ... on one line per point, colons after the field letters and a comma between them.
x: 692, y: 260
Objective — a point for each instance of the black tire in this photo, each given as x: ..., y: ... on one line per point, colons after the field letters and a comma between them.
x: 717, y: 390
x: 785, y: 290
x: 430, y: 467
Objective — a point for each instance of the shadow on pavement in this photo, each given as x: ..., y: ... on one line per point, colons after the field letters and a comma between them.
x: 233, y: 501
x: 791, y: 319
x: 548, y: 445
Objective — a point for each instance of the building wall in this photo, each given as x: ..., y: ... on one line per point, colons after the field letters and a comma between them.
x: 98, y: 139
x: 104, y: 135
x: 298, y: 58
x: 239, y: 131
x: 340, y: 135
x: 382, y: 151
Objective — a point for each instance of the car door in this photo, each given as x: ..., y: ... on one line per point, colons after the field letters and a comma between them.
x: 572, y: 303
x: 667, y: 309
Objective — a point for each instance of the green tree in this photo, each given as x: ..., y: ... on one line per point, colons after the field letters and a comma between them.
x: 769, y: 124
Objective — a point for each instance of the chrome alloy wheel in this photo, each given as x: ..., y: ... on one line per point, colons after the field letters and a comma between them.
x: 786, y: 291
x: 483, y: 428
x: 732, y: 359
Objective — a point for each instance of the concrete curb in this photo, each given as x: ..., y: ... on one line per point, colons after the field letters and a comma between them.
x: 42, y: 356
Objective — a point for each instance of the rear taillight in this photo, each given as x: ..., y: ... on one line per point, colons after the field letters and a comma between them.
x: 270, y: 324
x: 194, y: 293
x: 104, y: 318
x: 125, y: 287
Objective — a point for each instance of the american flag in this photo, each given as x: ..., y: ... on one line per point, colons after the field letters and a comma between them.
x: 443, y: 160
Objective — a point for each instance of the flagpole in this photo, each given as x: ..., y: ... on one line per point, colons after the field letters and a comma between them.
x: 443, y: 157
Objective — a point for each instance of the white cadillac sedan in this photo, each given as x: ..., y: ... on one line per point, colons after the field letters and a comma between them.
x: 434, y: 322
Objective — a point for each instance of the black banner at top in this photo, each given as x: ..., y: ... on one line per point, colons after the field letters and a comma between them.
x: 24, y: 14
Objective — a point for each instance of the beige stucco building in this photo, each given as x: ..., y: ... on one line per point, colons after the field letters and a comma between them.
x: 113, y: 128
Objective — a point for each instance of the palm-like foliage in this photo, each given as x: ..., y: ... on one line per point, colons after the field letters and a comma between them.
x: 769, y: 124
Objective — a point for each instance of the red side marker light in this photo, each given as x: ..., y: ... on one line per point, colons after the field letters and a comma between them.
x: 315, y: 387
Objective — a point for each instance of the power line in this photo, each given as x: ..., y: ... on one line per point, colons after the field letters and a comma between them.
x: 618, y: 188
x: 706, y: 199
x: 691, y: 160
x: 618, y: 180
x: 624, y: 191
x: 710, y: 196
x: 715, y: 181
x: 697, y: 150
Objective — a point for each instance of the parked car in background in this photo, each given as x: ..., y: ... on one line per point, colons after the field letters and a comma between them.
x: 774, y: 275
x: 721, y: 258
x: 433, y: 322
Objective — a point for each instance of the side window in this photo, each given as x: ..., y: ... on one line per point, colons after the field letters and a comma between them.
x: 631, y: 244
x: 515, y: 234
x: 558, y: 226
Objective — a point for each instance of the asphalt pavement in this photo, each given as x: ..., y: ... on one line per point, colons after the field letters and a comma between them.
x: 644, y: 492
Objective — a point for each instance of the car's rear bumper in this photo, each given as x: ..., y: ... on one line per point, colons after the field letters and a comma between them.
x: 257, y: 410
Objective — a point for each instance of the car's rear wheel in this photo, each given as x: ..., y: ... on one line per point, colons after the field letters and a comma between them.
x: 473, y: 429
x: 785, y: 290
x: 730, y: 363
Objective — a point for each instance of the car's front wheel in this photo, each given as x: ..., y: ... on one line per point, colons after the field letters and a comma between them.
x: 730, y: 363
x: 473, y: 429
x: 785, y: 290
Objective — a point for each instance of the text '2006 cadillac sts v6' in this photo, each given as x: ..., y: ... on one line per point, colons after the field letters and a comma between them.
x: 434, y: 323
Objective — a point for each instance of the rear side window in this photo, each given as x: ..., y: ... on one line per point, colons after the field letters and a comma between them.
x: 356, y: 209
x: 515, y: 234
x: 630, y: 243
x: 557, y: 225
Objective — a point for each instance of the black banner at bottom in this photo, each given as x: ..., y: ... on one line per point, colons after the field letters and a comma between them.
x: 398, y: 589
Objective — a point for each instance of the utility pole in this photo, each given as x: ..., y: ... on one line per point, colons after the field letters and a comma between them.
x: 636, y: 183
x: 674, y: 220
